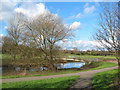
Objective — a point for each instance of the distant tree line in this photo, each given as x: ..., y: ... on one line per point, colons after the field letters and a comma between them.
x: 91, y: 52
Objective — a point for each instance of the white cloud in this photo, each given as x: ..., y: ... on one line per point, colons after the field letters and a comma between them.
x: 89, y: 9
x: 78, y: 15
x: 27, y: 8
x: 6, y: 9
x: 5, y: 27
x: 34, y: 10
x: 64, y: 40
x: 75, y: 25
x: 1, y: 35
x: 81, y: 45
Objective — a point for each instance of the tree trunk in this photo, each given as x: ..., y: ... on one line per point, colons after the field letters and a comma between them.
x: 119, y: 70
x: 14, y: 56
x: 53, y: 68
x: 25, y: 71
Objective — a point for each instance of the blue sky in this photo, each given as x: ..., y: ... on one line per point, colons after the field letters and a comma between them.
x: 81, y: 16
x: 69, y: 11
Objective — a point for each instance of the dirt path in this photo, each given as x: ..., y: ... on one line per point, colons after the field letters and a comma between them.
x: 83, y: 83
x: 82, y: 80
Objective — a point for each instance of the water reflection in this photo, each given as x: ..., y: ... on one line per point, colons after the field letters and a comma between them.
x: 36, y: 69
x: 59, y: 66
x: 72, y: 65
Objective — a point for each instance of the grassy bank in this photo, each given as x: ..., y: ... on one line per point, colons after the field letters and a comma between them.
x: 105, y: 80
x: 61, y: 82
x: 102, y: 65
x: 97, y: 65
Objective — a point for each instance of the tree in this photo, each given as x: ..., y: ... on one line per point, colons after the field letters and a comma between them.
x: 15, y: 30
x: 7, y: 45
x: 108, y: 33
x: 43, y: 32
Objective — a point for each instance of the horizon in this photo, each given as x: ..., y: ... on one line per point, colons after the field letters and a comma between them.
x: 76, y: 15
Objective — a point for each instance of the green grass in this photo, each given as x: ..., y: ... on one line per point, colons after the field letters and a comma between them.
x: 104, y: 65
x: 45, y: 73
x: 61, y: 82
x: 104, y: 80
x: 100, y: 65
x: 89, y: 57
x: 6, y: 56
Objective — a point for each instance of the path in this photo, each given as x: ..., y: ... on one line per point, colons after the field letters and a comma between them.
x: 84, y: 82
x: 84, y: 75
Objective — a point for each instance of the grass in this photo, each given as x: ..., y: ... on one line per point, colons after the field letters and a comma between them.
x: 103, y: 65
x: 6, y: 56
x: 44, y: 73
x: 61, y: 82
x: 105, y: 80
x: 89, y: 57
x: 100, y: 65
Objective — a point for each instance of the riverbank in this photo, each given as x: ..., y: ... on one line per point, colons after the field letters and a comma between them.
x: 17, y: 82
x: 91, y: 66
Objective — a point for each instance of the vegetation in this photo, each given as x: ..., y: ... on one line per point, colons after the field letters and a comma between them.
x: 92, y: 66
x: 61, y: 82
x: 90, y: 52
x: 108, y: 33
x: 89, y: 57
x: 102, y: 65
x: 105, y: 80
x: 29, y: 38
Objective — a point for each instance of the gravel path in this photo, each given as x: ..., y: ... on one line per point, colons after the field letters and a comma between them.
x: 84, y: 80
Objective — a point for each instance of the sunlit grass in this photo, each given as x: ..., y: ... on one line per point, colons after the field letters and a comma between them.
x: 61, y: 82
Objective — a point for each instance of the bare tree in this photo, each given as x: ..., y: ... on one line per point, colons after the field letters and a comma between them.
x: 108, y: 33
x: 45, y: 30
x: 15, y: 30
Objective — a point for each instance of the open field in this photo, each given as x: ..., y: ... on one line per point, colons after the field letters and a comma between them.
x: 89, y: 57
x: 105, y: 80
x: 6, y: 56
x: 61, y: 82
x: 97, y: 65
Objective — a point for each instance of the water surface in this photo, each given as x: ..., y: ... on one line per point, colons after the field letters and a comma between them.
x: 72, y: 65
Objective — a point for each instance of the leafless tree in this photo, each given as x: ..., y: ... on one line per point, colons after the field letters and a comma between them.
x: 44, y: 31
x: 15, y: 29
x: 108, y: 33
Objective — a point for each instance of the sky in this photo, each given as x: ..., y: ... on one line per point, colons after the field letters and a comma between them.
x: 82, y: 17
